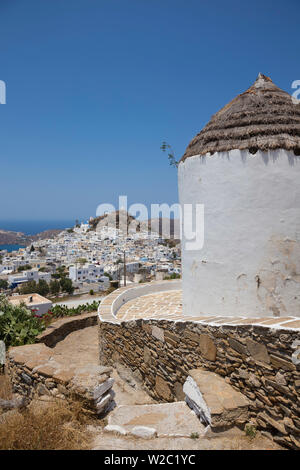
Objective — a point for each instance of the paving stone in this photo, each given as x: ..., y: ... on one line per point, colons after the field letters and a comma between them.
x: 157, y: 305
x: 292, y: 324
x: 168, y: 419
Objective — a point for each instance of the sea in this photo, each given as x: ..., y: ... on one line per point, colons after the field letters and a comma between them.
x: 32, y: 227
x: 10, y: 248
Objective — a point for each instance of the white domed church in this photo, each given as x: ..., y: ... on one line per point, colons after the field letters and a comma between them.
x: 244, y: 166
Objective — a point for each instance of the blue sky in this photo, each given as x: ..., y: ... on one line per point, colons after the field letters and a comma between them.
x: 95, y: 86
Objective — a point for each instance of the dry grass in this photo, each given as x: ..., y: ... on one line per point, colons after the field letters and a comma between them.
x: 52, y: 425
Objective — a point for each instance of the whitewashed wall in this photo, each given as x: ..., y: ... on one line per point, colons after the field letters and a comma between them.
x: 250, y: 261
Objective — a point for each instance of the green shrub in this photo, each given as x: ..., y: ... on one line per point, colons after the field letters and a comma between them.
x: 59, y: 311
x: 24, y: 268
x: 54, y: 287
x: 3, y: 284
x: 29, y: 287
x: 66, y: 285
x: 42, y: 287
x: 18, y: 325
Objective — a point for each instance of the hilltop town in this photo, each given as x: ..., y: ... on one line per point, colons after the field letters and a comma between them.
x: 91, y: 256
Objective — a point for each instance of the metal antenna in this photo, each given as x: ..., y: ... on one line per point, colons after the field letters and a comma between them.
x: 124, y: 268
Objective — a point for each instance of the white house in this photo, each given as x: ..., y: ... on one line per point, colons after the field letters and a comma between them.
x: 6, y: 268
x: 82, y: 229
x: 44, y: 276
x: 132, y: 266
x: 86, y: 272
x: 26, y: 276
x: 244, y: 166
x: 35, y: 302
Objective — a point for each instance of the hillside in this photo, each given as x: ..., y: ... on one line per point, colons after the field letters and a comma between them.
x: 114, y: 219
x: 19, y: 238
x: 158, y: 225
x: 12, y: 238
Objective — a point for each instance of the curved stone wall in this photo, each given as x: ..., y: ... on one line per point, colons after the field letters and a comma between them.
x: 58, y: 330
x: 109, y: 307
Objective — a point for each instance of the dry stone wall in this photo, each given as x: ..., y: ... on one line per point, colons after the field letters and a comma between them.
x: 259, y: 361
x: 61, y: 328
x: 36, y: 371
x: 92, y: 388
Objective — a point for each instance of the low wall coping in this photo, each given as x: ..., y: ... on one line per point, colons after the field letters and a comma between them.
x: 62, y: 327
x: 109, y: 307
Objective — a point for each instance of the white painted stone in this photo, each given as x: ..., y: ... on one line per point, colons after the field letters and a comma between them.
x: 116, y: 429
x: 102, y: 388
x: 250, y: 260
x: 216, y: 402
x: 102, y: 404
x: 110, y: 392
x: 143, y: 432
x: 195, y: 400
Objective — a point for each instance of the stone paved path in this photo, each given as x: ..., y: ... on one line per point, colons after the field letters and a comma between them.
x: 234, y: 439
x: 168, y: 419
x: 167, y: 304
x: 81, y: 349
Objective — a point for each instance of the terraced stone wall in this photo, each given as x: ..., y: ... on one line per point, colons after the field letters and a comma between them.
x: 260, y: 361
x: 34, y: 371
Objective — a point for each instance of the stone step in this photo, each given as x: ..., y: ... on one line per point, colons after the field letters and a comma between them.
x: 157, y: 420
x: 216, y: 402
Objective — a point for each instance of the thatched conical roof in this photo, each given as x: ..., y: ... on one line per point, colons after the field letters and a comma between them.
x: 262, y: 118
